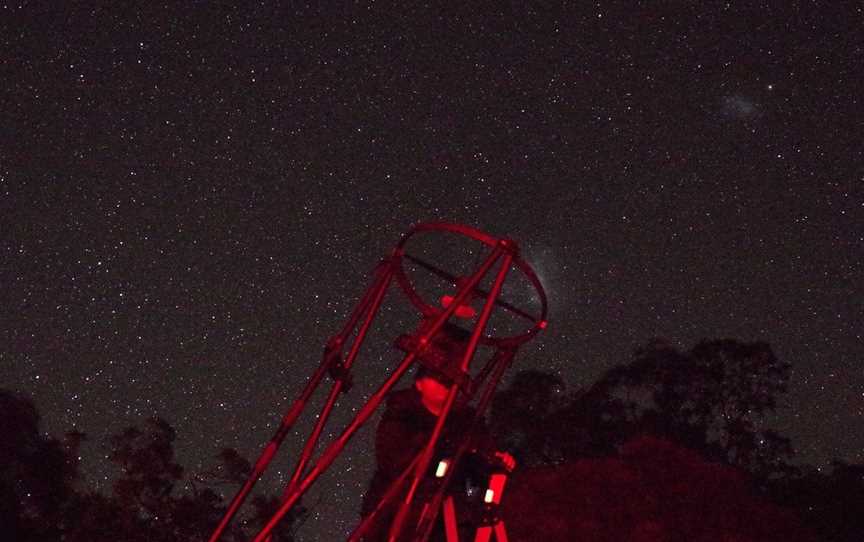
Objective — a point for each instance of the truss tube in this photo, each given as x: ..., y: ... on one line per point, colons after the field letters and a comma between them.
x: 368, y: 409
x: 330, y: 353
x: 423, y: 464
x: 339, y: 383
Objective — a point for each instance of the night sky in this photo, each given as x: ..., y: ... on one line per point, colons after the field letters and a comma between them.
x: 192, y: 198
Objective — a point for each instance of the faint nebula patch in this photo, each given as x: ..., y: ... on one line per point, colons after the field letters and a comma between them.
x: 740, y: 107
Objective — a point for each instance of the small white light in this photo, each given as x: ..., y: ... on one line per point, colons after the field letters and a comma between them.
x: 442, y: 468
x: 489, y: 497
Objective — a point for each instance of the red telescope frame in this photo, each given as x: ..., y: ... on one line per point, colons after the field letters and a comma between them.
x: 491, y: 242
x: 503, y: 252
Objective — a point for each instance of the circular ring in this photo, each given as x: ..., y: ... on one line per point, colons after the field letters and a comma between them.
x: 539, y: 322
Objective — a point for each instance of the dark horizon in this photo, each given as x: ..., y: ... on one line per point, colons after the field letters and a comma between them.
x: 754, y: 490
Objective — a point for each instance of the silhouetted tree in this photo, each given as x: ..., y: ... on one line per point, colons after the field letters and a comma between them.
x: 42, y: 497
x: 521, y: 415
x: 148, y: 471
x: 712, y: 399
x: 146, y: 490
x: 708, y: 403
x: 233, y: 469
x: 36, y: 473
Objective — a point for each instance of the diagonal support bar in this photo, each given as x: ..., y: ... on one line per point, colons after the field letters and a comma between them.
x: 331, y: 355
x: 312, y: 441
x: 335, y: 448
x: 485, y: 314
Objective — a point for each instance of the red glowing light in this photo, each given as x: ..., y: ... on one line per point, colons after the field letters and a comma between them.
x: 462, y: 311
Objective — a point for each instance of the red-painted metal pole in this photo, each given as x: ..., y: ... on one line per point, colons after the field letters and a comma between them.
x: 330, y: 356
x: 423, y: 464
x: 335, y: 448
x: 337, y: 386
x: 425, y: 524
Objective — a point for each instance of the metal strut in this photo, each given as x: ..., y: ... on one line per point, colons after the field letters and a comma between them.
x: 333, y: 451
x: 332, y: 363
x: 331, y: 357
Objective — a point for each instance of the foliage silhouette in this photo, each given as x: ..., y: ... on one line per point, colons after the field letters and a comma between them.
x: 42, y: 497
x: 520, y: 413
x: 669, y: 446
x: 713, y: 399
x: 706, y: 407
x: 36, y: 472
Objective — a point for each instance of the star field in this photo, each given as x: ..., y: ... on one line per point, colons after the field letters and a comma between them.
x: 192, y: 199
